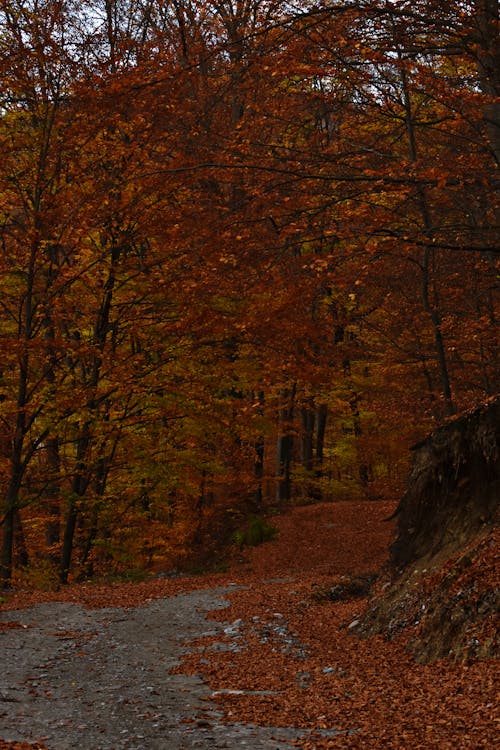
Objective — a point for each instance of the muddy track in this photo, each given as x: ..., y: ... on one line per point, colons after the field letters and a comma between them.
x: 102, y: 679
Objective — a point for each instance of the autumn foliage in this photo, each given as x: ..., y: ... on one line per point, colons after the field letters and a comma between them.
x: 248, y: 256
x: 286, y: 656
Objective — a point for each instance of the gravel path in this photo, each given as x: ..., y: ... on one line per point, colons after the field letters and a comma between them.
x: 101, y: 679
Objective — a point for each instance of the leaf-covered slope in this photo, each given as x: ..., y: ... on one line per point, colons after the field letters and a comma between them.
x: 444, y: 588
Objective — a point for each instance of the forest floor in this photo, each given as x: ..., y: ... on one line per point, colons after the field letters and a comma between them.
x: 258, y: 657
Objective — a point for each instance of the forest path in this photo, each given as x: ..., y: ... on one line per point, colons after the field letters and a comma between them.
x: 83, y: 673
x: 102, y: 679
x: 258, y: 657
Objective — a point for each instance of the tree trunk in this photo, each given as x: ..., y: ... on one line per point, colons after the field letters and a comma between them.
x: 429, y: 302
x: 22, y: 557
x: 259, y: 473
x: 69, y: 535
x: 8, y: 545
x: 52, y: 494
x: 308, y: 422
x: 488, y: 58
x: 79, y: 485
x: 320, y: 424
x: 285, y: 445
x: 308, y: 414
x: 17, y: 468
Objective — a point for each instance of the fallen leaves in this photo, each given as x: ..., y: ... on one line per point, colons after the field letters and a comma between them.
x: 359, y: 693
x: 288, y: 657
x: 10, y: 625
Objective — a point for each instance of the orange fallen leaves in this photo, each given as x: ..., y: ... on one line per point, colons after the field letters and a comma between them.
x: 299, y: 665
x: 370, y: 691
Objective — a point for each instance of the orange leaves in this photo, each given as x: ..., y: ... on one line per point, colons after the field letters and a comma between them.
x: 215, y: 202
x: 298, y: 664
x: 364, y: 693
x: 22, y: 745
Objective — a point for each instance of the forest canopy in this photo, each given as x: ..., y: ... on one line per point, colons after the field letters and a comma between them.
x: 249, y: 256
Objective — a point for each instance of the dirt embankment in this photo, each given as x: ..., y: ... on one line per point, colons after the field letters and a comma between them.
x: 442, y: 587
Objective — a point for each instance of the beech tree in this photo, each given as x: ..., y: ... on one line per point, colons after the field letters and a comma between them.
x: 35, y: 71
x: 244, y: 242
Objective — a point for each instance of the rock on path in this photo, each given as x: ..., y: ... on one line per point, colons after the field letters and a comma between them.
x: 101, y: 679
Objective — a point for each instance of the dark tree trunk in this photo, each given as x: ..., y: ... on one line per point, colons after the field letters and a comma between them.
x: 52, y: 493
x: 285, y: 446
x: 320, y: 425
x: 488, y: 57
x: 308, y: 421
x: 257, y: 498
x: 22, y: 557
x: 8, y: 545
x: 12, y: 498
x: 259, y: 474
x: 79, y: 486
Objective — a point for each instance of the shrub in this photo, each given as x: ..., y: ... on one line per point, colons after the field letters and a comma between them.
x: 257, y: 531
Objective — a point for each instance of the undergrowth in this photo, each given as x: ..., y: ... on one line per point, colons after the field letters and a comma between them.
x: 256, y: 531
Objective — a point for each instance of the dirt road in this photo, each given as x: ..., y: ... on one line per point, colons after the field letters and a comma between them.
x: 101, y: 679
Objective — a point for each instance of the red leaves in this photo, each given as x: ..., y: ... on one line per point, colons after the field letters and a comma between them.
x: 11, y: 625
x: 371, y: 691
x: 300, y: 665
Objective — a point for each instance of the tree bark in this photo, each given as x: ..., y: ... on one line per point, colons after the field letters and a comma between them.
x: 285, y: 445
x: 430, y: 305
x: 488, y: 60
x: 79, y: 485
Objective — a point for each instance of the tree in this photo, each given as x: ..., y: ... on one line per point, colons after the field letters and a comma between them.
x: 242, y: 243
x: 35, y: 70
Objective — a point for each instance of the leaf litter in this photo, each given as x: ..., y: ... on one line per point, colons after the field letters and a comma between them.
x: 286, y: 654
